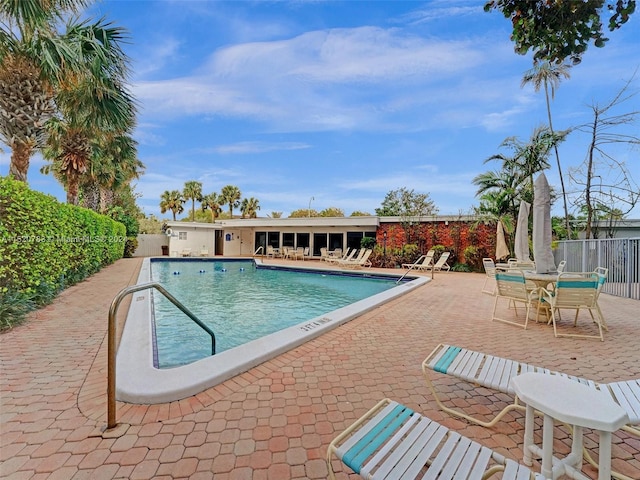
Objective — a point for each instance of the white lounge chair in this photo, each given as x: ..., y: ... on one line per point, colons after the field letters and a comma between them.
x: 441, y: 264
x: 361, y: 261
x: 424, y: 262
x: 393, y: 442
x: 348, y: 255
x: 186, y: 252
x: 496, y: 373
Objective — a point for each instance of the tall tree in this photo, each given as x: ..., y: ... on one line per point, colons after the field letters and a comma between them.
x: 409, y: 206
x: 250, y: 207
x: 231, y: 196
x: 614, y: 186
x: 212, y: 202
x: 192, y: 191
x: 560, y: 29
x: 171, y: 200
x: 547, y: 74
x: 41, y: 68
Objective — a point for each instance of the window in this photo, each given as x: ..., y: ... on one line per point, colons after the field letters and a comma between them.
x: 288, y: 239
x: 303, y: 240
x: 319, y: 241
x: 182, y: 235
x: 336, y: 240
x: 273, y: 239
x: 354, y: 239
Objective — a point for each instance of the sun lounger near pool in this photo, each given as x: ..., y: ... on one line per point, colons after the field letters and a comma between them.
x: 391, y: 441
x: 496, y: 373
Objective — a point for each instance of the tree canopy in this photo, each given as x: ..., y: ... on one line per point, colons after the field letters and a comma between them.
x: 406, y: 203
x: 557, y: 30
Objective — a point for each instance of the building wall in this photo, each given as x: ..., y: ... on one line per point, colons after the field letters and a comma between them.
x: 150, y: 245
x: 197, y: 240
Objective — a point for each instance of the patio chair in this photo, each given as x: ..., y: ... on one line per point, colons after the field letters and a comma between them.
x: 422, y: 263
x: 392, y: 442
x: 324, y: 254
x: 298, y: 253
x: 186, y: 252
x: 348, y: 255
x: 512, y: 286
x: 490, y: 271
x: 441, y: 264
x: 271, y: 252
x: 575, y: 291
x: 495, y: 373
x: 361, y: 261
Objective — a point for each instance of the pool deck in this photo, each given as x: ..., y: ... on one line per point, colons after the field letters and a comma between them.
x: 276, y: 420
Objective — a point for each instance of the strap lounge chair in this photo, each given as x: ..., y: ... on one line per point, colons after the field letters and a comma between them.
x: 361, y: 261
x: 496, y: 373
x: 348, y: 255
x: 441, y: 264
x: 393, y: 442
x: 424, y: 262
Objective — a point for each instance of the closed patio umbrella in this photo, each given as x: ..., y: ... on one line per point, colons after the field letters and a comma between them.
x: 522, y: 233
x: 542, y: 254
x: 502, y: 251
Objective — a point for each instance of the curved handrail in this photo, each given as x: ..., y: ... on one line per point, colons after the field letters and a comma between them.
x: 111, y: 339
x: 257, y: 250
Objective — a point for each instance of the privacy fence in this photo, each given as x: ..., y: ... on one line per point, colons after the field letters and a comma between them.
x: 620, y: 255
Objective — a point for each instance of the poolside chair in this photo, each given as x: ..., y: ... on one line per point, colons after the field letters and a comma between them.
x: 271, y: 253
x: 422, y: 263
x: 575, y: 291
x: 393, y: 442
x: 490, y: 271
x: 512, y: 286
x: 323, y: 254
x: 495, y: 373
x: 561, y: 266
x: 298, y: 253
x: 361, y: 261
x: 186, y: 252
x: 346, y: 257
x: 441, y: 264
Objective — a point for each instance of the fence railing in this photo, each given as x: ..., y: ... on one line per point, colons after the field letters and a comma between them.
x: 620, y: 255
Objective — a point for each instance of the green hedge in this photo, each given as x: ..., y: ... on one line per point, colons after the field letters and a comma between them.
x: 46, y: 245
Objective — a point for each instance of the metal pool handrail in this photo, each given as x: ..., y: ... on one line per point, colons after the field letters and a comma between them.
x: 112, y: 347
x: 260, y: 248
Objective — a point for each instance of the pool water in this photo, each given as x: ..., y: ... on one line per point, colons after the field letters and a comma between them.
x: 240, y: 303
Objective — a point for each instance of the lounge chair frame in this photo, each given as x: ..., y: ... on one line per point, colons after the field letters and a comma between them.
x: 496, y: 373
x: 392, y: 442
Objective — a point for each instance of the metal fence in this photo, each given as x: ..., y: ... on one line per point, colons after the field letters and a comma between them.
x: 620, y: 255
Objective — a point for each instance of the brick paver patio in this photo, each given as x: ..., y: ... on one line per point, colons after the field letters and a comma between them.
x: 276, y: 420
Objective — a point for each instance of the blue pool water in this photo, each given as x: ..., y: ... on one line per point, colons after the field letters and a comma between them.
x: 240, y: 303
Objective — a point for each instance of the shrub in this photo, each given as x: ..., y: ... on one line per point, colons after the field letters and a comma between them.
x: 46, y: 246
x: 14, y: 306
x: 367, y: 242
x: 130, y: 247
x: 473, y: 258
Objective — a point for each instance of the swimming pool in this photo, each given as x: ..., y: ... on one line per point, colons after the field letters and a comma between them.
x: 139, y: 381
x: 241, y: 302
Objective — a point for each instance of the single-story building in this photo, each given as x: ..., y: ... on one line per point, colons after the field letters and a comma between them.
x: 244, y: 237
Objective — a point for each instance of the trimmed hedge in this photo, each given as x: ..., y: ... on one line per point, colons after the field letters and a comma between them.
x: 46, y: 245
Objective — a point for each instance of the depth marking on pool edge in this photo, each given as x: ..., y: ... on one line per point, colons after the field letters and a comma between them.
x: 316, y: 323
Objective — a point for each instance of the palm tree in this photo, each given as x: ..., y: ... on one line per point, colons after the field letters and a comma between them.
x: 171, y: 200
x: 250, y: 207
x: 193, y: 191
x: 212, y: 202
x: 41, y: 71
x: 548, y: 74
x: 230, y: 195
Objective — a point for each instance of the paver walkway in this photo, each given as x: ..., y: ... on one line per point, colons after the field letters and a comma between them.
x: 276, y: 420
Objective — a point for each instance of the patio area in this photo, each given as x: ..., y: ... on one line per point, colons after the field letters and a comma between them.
x: 276, y: 420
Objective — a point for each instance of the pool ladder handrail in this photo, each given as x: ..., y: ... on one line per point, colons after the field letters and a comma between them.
x: 411, y: 268
x: 260, y: 248
x: 112, y: 344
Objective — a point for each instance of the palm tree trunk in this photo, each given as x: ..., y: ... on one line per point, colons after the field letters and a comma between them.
x: 72, y: 189
x: 587, y: 190
x: 555, y: 148
x: 20, y: 156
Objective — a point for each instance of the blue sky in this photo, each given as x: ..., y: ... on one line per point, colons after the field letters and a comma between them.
x: 334, y: 104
